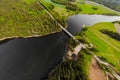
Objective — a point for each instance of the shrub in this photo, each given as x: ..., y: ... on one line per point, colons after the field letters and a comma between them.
x: 94, y: 8
x: 70, y: 6
x: 112, y: 34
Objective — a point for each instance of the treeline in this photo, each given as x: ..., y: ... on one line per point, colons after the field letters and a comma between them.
x: 72, y: 44
x: 70, y: 6
x: 70, y: 70
x: 63, y: 2
x: 112, y: 34
x: 113, y: 4
x: 73, y: 7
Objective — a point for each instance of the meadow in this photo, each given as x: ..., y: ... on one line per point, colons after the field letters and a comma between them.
x: 82, y: 7
x: 108, y: 48
x: 24, y: 18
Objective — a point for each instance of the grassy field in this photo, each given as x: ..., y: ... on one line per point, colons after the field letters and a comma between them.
x: 58, y: 8
x: 108, y: 48
x: 87, y: 63
x: 29, y: 1
x: 24, y: 18
x: 86, y: 8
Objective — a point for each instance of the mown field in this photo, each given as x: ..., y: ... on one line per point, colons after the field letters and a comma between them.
x: 108, y: 48
x: 24, y: 18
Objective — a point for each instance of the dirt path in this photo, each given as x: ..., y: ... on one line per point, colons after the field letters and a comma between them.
x: 95, y: 72
x: 117, y: 26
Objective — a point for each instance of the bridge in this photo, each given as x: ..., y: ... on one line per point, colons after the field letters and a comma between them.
x: 64, y: 29
x: 114, y: 73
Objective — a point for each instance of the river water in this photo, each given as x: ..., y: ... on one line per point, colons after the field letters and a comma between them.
x: 34, y: 58
x: 77, y: 21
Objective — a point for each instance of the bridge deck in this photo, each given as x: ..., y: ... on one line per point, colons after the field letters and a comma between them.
x: 64, y: 29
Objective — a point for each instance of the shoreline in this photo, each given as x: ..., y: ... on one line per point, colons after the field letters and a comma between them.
x: 24, y: 37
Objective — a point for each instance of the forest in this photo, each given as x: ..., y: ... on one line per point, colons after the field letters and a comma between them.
x: 112, y: 34
x: 70, y: 70
x: 63, y: 2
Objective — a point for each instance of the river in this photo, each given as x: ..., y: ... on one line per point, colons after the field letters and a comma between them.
x: 34, y: 58
x: 88, y: 20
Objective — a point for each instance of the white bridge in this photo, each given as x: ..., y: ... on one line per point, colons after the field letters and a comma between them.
x: 64, y: 29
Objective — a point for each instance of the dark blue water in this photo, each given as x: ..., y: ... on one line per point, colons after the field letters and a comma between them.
x: 32, y: 58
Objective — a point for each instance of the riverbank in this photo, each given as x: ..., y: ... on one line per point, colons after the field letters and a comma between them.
x: 25, y: 19
x: 25, y: 37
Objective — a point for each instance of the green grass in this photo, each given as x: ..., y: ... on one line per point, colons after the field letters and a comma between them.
x: 29, y: 1
x: 86, y: 9
x: 58, y: 8
x: 87, y: 63
x: 49, y: 1
x: 24, y: 18
x: 108, y: 48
